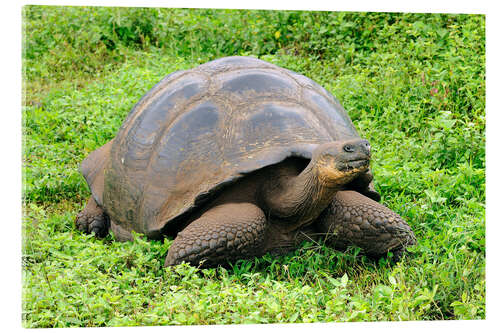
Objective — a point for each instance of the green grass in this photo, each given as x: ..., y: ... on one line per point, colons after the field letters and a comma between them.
x: 413, y: 84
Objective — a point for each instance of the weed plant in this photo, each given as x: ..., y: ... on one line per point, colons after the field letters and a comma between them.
x: 413, y: 84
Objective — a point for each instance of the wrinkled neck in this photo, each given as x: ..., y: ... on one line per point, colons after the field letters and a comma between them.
x: 300, y: 198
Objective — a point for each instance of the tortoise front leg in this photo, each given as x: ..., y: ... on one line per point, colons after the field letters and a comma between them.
x: 224, y: 233
x: 354, y: 219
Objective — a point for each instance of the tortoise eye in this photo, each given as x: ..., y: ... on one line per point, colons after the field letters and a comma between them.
x: 349, y: 148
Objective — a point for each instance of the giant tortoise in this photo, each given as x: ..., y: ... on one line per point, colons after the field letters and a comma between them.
x: 234, y: 159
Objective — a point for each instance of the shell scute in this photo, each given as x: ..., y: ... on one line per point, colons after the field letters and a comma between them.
x: 256, y: 80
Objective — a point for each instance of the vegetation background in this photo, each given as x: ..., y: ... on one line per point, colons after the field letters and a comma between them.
x: 413, y: 84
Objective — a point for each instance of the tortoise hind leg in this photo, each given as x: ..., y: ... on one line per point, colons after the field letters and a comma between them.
x: 354, y: 219
x: 224, y: 233
x: 93, y: 219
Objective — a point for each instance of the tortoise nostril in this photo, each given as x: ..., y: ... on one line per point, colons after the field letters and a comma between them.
x: 365, y: 146
x: 349, y: 148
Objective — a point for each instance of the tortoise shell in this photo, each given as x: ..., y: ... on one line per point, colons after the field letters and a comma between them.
x: 199, y: 130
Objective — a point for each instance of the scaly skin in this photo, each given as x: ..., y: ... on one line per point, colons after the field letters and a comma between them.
x: 353, y: 219
x: 233, y: 230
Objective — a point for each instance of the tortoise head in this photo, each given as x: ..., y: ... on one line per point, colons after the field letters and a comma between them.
x: 337, y: 163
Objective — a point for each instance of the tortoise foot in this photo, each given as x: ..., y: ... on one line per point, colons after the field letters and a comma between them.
x: 92, y: 219
x: 354, y: 219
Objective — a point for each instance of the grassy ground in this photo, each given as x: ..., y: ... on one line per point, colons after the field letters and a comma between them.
x: 414, y: 86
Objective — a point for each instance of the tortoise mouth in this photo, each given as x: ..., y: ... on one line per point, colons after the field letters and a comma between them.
x: 341, y: 172
x: 357, y: 164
